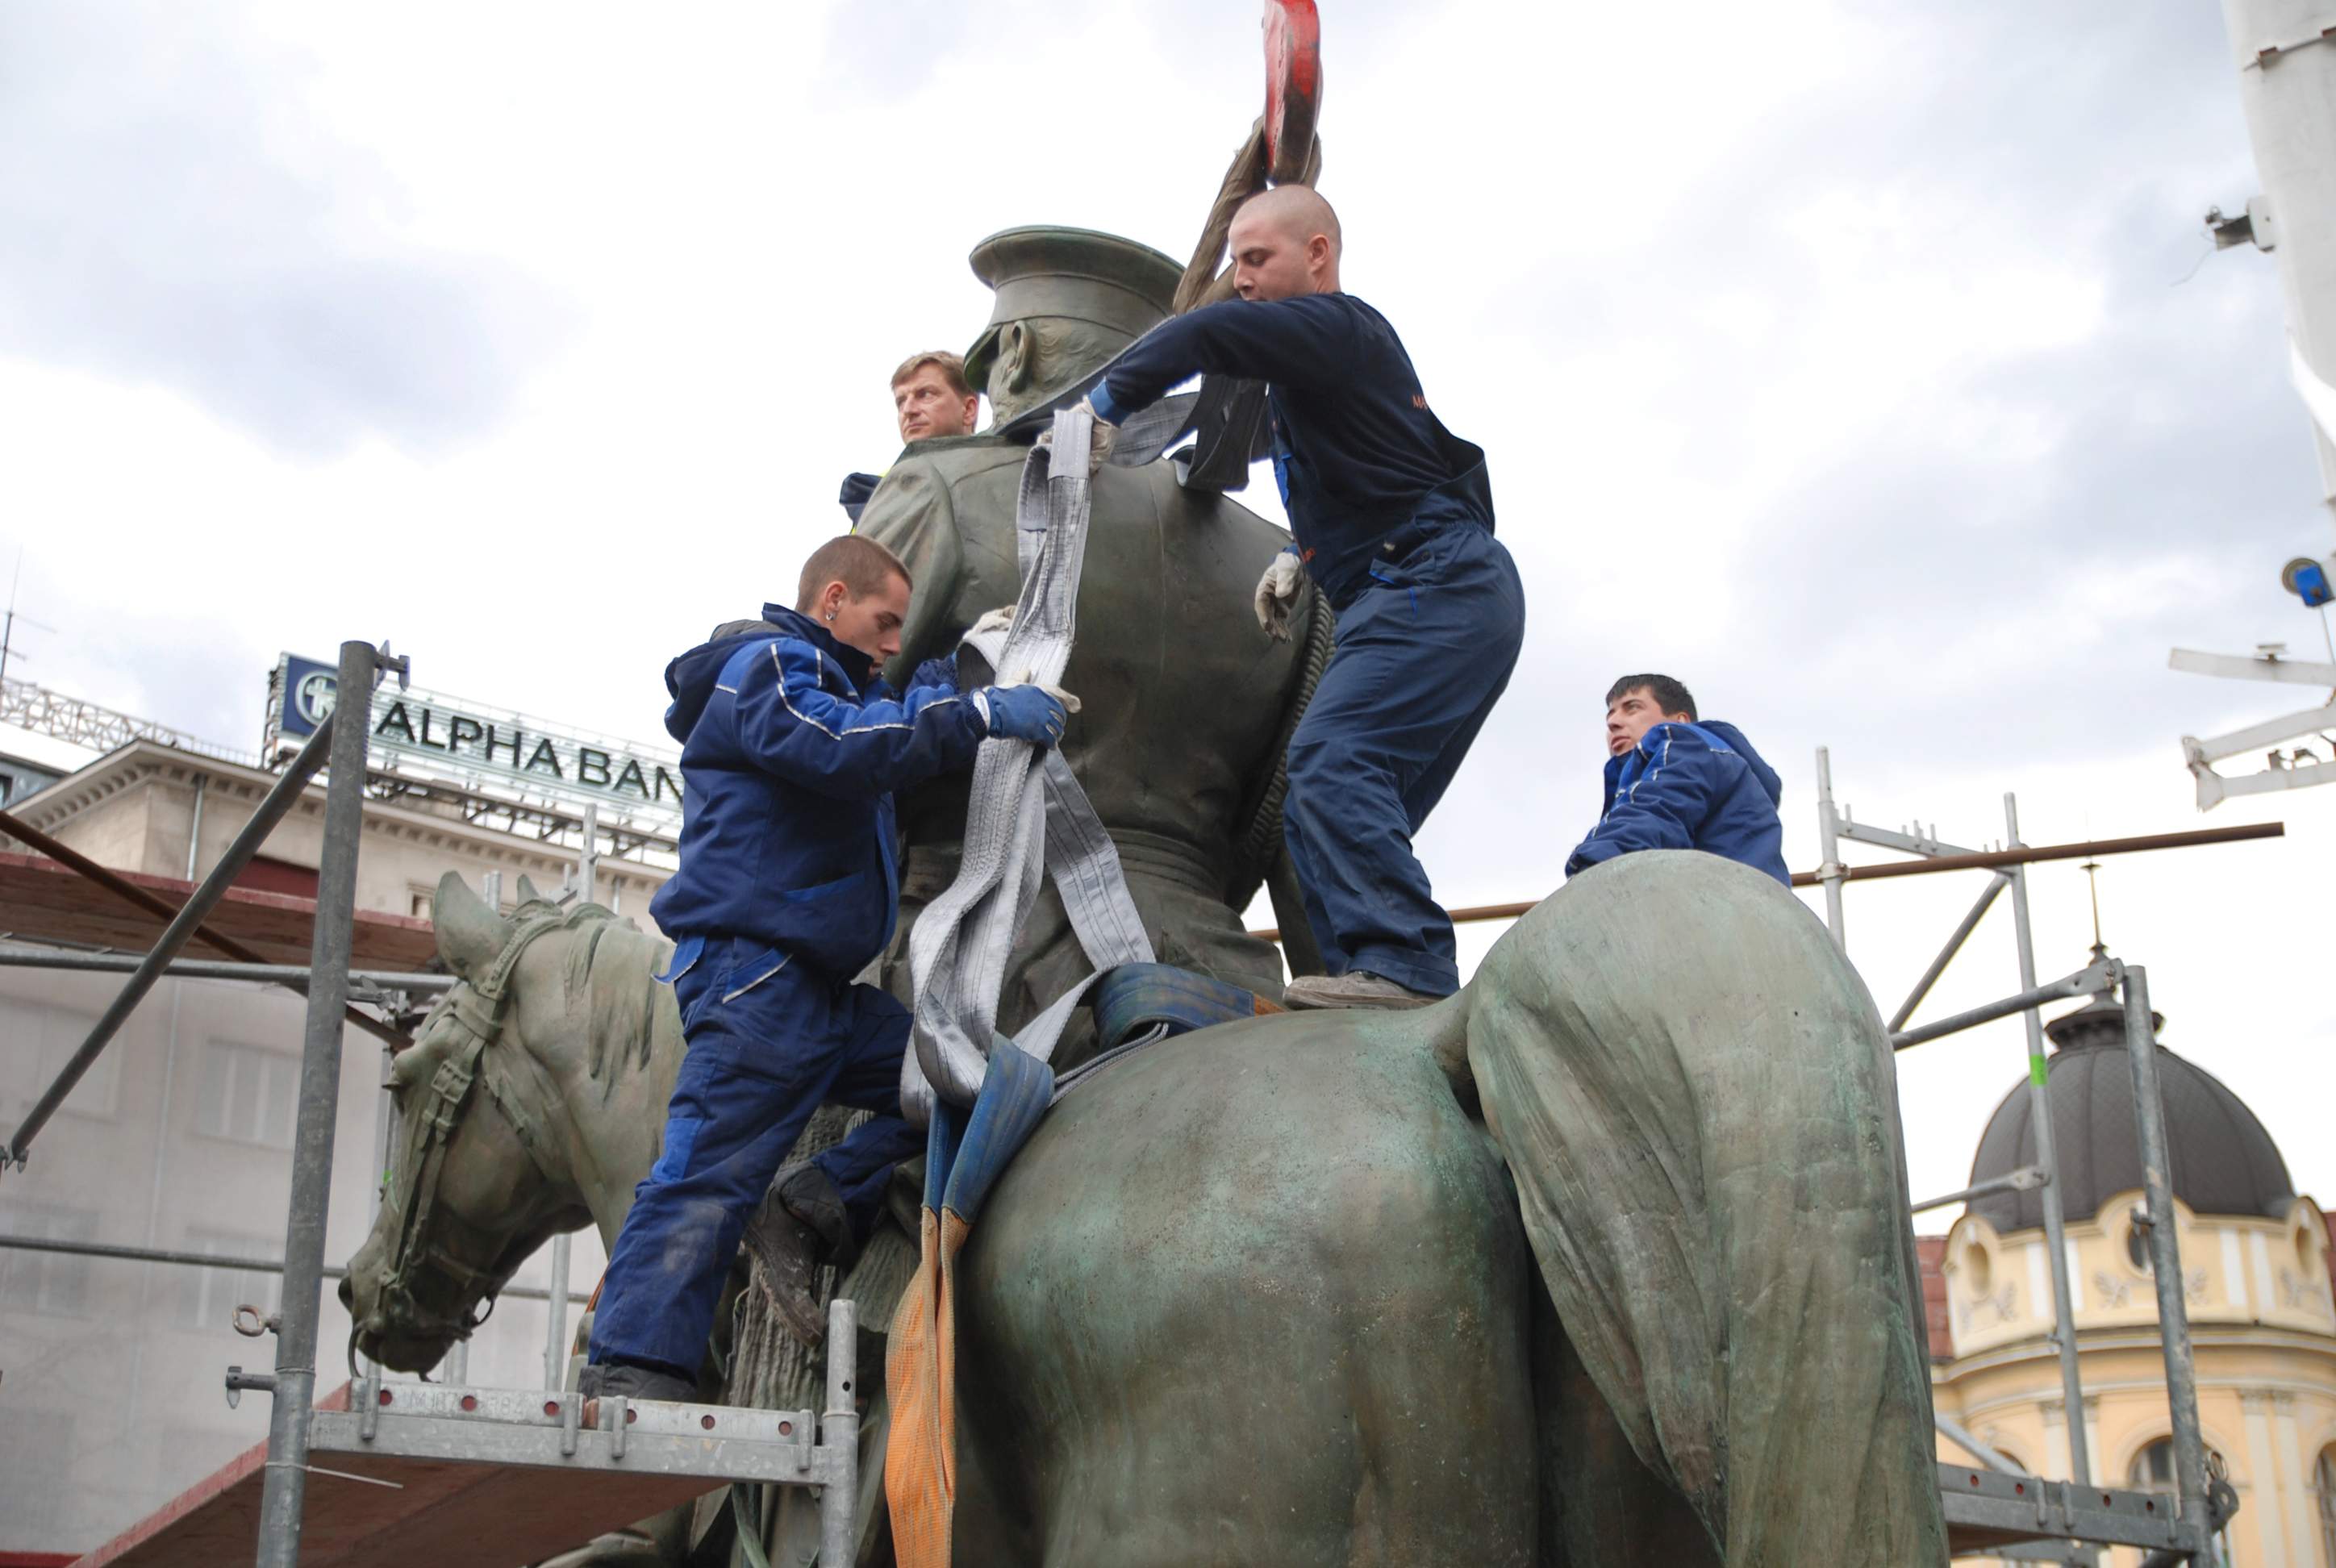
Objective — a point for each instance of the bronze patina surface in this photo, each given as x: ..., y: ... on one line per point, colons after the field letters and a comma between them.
x: 1183, y: 696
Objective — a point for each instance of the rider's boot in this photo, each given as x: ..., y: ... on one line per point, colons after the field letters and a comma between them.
x: 801, y: 1225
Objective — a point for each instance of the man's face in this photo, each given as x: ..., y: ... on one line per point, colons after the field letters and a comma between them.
x: 926, y: 407
x: 1630, y: 715
x: 870, y: 623
x: 1270, y: 261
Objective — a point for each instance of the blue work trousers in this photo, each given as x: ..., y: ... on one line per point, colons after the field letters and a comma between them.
x: 1425, y: 650
x: 771, y: 1039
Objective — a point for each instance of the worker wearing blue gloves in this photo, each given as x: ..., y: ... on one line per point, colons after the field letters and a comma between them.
x: 1392, y: 516
x: 1676, y: 782
x: 792, y: 746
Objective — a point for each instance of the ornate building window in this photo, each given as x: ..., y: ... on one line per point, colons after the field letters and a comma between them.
x: 2153, y: 1471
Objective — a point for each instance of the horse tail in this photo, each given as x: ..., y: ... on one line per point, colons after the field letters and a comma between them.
x: 1696, y: 1100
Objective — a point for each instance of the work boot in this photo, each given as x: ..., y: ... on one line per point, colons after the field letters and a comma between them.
x: 800, y: 1226
x: 622, y: 1380
x: 1354, y: 988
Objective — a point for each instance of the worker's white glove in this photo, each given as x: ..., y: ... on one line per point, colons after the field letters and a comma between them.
x: 1276, y: 595
x: 1098, y: 442
x: 997, y: 621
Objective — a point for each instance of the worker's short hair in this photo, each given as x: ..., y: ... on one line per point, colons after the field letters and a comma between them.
x: 861, y: 565
x: 1669, y: 694
x: 951, y: 366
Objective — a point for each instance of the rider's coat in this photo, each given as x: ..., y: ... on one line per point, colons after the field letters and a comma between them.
x: 791, y: 747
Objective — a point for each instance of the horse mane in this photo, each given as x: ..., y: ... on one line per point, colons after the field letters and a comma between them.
x: 609, y: 977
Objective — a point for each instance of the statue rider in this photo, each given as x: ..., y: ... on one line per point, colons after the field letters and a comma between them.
x: 1185, y: 700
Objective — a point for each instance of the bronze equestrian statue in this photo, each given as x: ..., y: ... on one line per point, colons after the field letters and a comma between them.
x: 1604, y: 1261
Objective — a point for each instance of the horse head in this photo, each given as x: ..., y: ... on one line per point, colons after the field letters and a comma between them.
x: 489, y: 1158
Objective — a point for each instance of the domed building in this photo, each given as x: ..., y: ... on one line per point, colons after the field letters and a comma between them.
x: 2256, y: 1276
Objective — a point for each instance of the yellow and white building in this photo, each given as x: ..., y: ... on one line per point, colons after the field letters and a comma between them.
x: 2256, y: 1277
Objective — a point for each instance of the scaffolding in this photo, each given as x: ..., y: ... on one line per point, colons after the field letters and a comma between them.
x: 1997, y: 1505
x: 397, y: 1455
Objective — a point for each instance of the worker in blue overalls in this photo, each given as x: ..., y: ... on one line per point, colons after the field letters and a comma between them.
x: 1677, y: 782
x: 791, y: 747
x: 1392, y: 516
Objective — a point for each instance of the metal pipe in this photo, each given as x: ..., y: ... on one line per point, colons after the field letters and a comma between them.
x: 1962, y: 1437
x: 2165, y: 1254
x: 286, y: 1485
x: 195, y: 828
x: 1987, y: 860
x: 2025, y: 1179
x: 587, y: 863
x: 2090, y: 980
x: 1995, y: 884
x: 839, y: 1432
x: 197, y: 1260
x: 555, y: 1338
x: 2039, y: 1116
x: 1831, y: 873
x: 175, y: 936
x: 214, y: 969
x: 1993, y: 859
x: 129, y: 891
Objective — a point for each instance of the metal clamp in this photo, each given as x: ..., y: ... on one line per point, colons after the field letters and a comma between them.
x: 251, y: 1322
x: 238, y: 1380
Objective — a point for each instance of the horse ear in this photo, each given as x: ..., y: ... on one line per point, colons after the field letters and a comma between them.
x: 527, y: 894
x: 470, y: 934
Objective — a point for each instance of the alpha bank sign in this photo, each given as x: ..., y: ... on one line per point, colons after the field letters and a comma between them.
x: 466, y: 743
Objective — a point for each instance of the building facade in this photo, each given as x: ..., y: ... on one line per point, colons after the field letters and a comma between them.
x: 2257, y: 1284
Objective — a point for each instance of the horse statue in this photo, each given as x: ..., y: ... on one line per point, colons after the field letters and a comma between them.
x: 1604, y: 1261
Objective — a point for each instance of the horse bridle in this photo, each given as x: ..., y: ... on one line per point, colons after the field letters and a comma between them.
x: 476, y: 1008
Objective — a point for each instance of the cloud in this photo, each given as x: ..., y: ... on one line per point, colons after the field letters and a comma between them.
x: 171, y: 213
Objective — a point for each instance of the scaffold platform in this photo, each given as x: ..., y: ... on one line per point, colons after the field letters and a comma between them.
x: 400, y: 1473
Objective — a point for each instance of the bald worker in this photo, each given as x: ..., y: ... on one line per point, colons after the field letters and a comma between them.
x: 1393, y: 519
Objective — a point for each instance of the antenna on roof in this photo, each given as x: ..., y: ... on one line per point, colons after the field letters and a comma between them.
x: 2093, y: 881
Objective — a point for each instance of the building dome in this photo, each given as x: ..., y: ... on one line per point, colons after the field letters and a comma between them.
x: 2223, y: 1161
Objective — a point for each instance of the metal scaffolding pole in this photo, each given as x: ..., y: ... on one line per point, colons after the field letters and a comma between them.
x: 2088, y: 981
x: 216, y: 969
x: 286, y: 1485
x: 183, y: 1259
x: 1995, y: 884
x: 2165, y: 1254
x: 2039, y: 1116
x: 181, y: 928
x: 1830, y: 871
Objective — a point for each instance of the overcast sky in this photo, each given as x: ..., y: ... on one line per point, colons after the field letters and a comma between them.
x: 1860, y: 364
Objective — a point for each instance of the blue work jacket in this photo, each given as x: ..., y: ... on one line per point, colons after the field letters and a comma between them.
x: 791, y: 750
x: 1690, y: 786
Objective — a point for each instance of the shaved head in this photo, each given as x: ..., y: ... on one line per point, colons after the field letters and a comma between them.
x: 1299, y: 211
x: 1285, y: 242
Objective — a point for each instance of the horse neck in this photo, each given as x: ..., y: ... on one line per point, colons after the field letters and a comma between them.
x: 609, y: 1125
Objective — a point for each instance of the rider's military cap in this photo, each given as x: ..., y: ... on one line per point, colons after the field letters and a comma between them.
x: 1077, y: 274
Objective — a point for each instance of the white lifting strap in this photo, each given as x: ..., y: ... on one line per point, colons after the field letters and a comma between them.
x: 1026, y: 817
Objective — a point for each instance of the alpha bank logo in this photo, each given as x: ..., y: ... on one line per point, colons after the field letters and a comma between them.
x: 312, y: 699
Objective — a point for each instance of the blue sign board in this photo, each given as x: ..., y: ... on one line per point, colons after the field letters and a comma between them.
x: 307, y: 695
